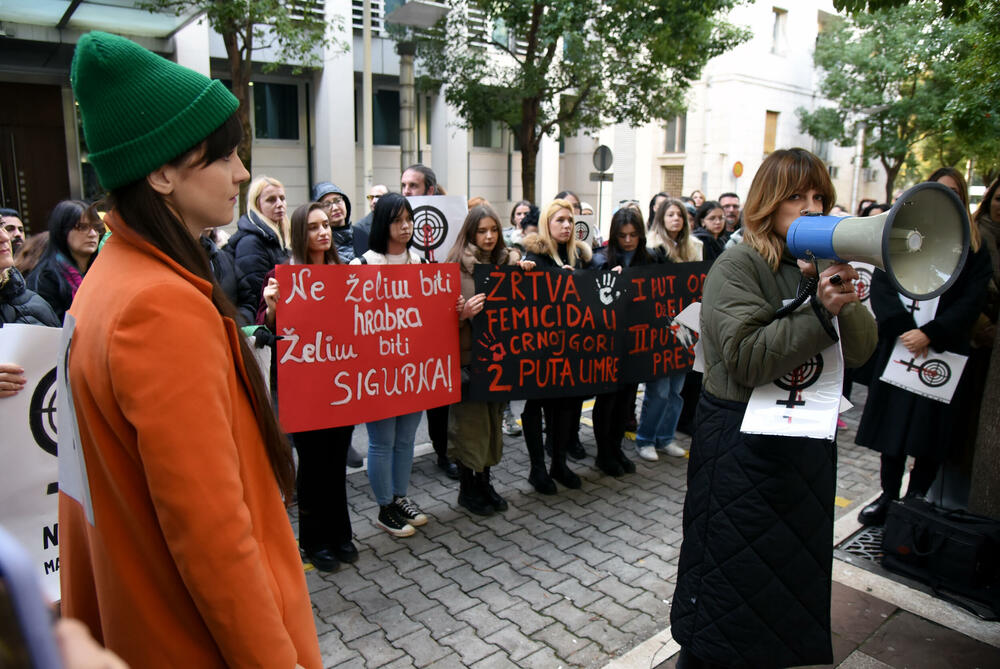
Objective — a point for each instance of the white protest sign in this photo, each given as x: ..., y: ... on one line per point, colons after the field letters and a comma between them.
x: 923, y: 310
x: 803, y: 403
x: 73, y: 479
x: 584, y: 228
x: 690, y: 318
x: 30, y: 473
x: 935, y: 376
x: 863, y: 284
x: 437, y: 220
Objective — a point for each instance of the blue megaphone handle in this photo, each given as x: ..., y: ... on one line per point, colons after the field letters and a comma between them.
x: 812, y: 236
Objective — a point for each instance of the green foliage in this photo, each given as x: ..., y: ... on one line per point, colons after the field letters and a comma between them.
x: 571, y: 65
x: 895, y: 71
x: 956, y: 8
x: 975, y: 110
x: 293, y: 29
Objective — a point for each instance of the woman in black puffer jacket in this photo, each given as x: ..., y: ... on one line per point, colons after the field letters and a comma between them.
x: 261, y: 242
x: 18, y: 305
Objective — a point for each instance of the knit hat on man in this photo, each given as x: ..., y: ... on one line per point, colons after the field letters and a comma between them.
x: 140, y: 110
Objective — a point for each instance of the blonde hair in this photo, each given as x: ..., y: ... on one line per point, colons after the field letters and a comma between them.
x: 682, y: 249
x: 551, y: 209
x: 781, y: 175
x: 253, y: 194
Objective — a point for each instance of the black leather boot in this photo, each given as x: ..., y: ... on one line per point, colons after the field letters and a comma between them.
x: 496, y: 501
x: 559, y: 470
x: 607, y: 460
x: 470, y: 494
x: 875, y: 513
x: 538, y: 477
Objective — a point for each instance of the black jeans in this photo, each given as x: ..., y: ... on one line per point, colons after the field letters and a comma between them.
x: 321, y: 486
x: 611, y: 410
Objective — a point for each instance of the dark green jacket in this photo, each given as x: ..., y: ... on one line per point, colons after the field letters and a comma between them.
x: 745, y: 346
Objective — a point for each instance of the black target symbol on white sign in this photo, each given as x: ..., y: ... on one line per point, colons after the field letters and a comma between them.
x: 42, y: 414
x: 863, y: 284
x: 430, y: 229
x: 582, y: 230
x: 798, y: 380
x: 933, y: 373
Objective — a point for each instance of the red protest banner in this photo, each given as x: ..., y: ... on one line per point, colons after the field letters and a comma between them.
x: 365, y: 342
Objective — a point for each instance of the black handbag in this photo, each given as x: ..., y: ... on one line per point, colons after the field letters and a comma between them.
x: 955, y: 552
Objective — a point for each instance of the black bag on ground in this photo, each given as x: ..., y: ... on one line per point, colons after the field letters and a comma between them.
x: 955, y: 552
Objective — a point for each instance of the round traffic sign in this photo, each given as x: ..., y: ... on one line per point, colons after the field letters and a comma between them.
x: 602, y: 158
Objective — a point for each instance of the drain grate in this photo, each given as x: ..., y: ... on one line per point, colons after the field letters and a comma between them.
x: 866, y: 543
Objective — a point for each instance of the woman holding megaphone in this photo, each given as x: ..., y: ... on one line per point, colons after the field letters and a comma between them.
x: 753, y: 584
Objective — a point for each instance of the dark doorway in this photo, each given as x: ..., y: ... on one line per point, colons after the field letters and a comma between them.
x: 33, y: 165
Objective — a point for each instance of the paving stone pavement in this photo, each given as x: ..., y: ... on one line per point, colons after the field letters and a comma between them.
x: 570, y: 580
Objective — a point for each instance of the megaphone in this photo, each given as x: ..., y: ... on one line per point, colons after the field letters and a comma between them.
x: 921, y: 243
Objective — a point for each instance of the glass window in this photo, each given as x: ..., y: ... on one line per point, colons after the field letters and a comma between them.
x: 276, y: 111
x: 676, y: 132
x: 385, y: 117
x: 770, y: 131
x: 487, y: 136
x: 779, y: 40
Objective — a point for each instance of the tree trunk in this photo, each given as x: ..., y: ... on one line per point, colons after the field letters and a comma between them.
x: 984, y: 493
x: 240, y: 70
x: 527, y: 135
x: 891, y: 172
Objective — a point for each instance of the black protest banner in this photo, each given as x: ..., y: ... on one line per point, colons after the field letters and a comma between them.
x: 552, y: 332
x: 654, y: 345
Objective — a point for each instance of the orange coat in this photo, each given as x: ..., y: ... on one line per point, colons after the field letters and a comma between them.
x: 191, y: 560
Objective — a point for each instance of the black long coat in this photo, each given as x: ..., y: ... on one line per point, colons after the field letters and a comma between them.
x: 753, y: 581
x: 895, y: 421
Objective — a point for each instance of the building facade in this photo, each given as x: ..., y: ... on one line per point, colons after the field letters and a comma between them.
x: 308, y: 127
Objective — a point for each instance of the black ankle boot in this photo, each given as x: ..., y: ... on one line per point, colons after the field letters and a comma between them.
x: 875, y: 513
x: 538, y: 477
x: 470, y: 494
x: 560, y: 471
x: 447, y: 466
x: 489, y: 492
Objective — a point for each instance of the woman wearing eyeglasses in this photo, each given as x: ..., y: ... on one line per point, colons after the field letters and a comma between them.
x: 75, y: 231
x: 337, y: 206
x: 710, y: 228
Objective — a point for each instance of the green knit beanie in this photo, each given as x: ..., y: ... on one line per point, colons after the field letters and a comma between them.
x: 140, y: 110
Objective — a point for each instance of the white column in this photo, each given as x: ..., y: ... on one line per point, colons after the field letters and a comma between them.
x: 547, y: 170
x: 449, y: 148
x: 191, y: 44
x: 333, y: 106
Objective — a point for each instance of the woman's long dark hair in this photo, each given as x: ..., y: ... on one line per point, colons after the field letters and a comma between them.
x: 652, y: 206
x: 621, y: 218
x: 388, y: 207
x: 146, y: 213
x: 300, y: 235
x: 64, y: 218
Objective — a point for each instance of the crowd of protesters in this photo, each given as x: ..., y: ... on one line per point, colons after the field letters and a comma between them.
x: 156, y: 362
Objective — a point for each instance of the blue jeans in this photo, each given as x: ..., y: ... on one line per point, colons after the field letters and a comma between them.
x: 390, y: 455
x: 661, y: 409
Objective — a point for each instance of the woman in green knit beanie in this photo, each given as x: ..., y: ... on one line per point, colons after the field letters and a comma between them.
x: 176, y: 549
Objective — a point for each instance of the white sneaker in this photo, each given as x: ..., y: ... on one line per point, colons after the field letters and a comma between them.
x: 647, y: 453
x: 673, y: 449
